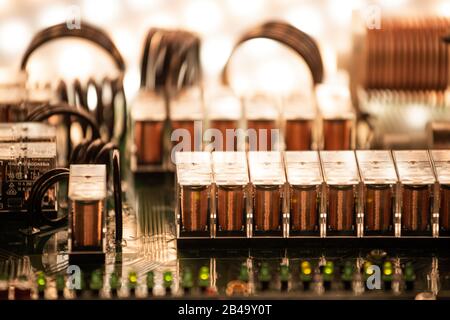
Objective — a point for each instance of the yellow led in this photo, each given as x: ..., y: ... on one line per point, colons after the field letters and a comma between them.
x: 307, y: 271
x: 133, y: 278
x: 305, y: 264
x: 204, y: 276
x: 388, y: 271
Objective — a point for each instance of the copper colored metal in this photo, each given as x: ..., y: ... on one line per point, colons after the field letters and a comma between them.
x: 230, y: 208
x: 87, y: 225
x: 341, y: 208
x: 189, y: 126
x: 337, y: 134
x: 267, y: 204
x: 304, y: 203
x: 378, y: 208
x: 444, y: 212
x: 258, y: 125
x: 10, y: 112
x: 148, y: 137
x: 298, y: 134
x: 194, y: 208
x: 222, y: 126
x: 416, y: 207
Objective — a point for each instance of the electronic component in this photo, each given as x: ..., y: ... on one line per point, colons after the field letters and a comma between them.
x: 305, y: 180
x: 186, y: 113
x: 341, y: 193
x: 231, y: 181
x: 268, y: 191
x: 338, y: 116
x: 20, y: 165
x: 224, y: 112
x: 194, y: 185
x: 148, y: 117
x: 379, y: 180
x: 441, y: 161
x: 262, y: 116
x: 300, y: 123
x: 416, y: 192
x: 87, y: 194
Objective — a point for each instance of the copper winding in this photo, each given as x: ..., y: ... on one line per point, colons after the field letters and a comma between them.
x: 267, y: 204
x: 341, y: 208
x: 378, y: 209
x: 416, y: 205
x: 87, y: 224
x: 230, y: 208
x: 194, y: 208
x: 304, y: 208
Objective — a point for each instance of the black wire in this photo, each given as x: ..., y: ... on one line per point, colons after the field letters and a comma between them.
x: 64, y: 109
x: 87, y: 32
x: 303, y: 44
x: 117, y: 195
x: 104, y: 151
x: 92, y: 150
x: 37, y: 206
x: 38, y: 190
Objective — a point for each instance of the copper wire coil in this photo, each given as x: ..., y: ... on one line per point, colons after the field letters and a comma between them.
x: 223, y: 126
x: 299, y: 134
x: 444, y: 212
x: 416, y: 205
x: 195, y: 208
x: 378, y: 207
x: 267, y: 204
x: 189, y: 126
x: 304, y: 204
x: 341, y: 208
x: 230, y: 208
x: 148, y: 137
x: 258, y: 125
x: 407, y: 54
x: 337, y: 134
x: 87, y: 225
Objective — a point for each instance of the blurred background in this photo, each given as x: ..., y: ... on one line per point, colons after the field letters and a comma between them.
x: 218, y: 22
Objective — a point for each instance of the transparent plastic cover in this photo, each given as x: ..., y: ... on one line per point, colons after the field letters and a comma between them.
x: 266, y: 168
x: 414, y: 166
x: 148, y: 106
x: 193, y: 168
x: 376, y: 166
x: 87, y: 182
x: 339, y: 167
x: 230, y: 168
x: 441, y: 159
x: 303, y: 167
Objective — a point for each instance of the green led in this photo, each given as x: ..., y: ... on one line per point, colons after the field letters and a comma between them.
x: 284, y: 273
x: 328, y: 271
x: 150, y: 280
x: 203, y: 277
x: 387, y: 271
x: 60, y: 282
x: 188, y: 279
x: 167, y: 279
x: 347, y: 272
x: 96, y: 280
x: 41, y: 281
x: 114, y: 281
x: 132, y: 280
x: 243, y: 273
x: 264, y: 273
x: 409, y: 273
